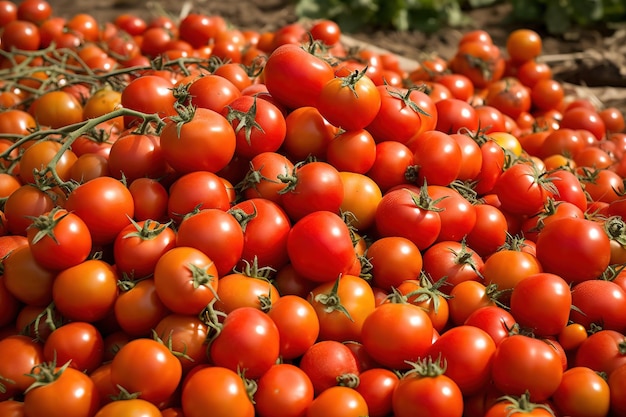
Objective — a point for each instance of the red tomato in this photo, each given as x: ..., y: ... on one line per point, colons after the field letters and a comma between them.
x: 390, y: 165
x: 138, y: 307
x: 376, y: 385
x: 575, y: 249
x: 283, y: 391
x: 338, y: 402
x: 452, y: 261
x: 195, y: 191
x: 186, y: 280
x: 350, y: 100
x: 353, y: 151
x: 78, y: 343
x: 320, y: 247
x: 297, y: 323
x: 437, y: 158
x: 187, y: 147
x: 295, y: 77
x: 329, y: 363
x: 616, y: 390
x: 24, y: 204
x: 582, y: 392
x: 518, y: 406
x: 508, y: 267
x: 87, y: 291
x: 136, y: 405
x: 26, y: 280
x: 148, y: 367
x: 494, y: 320
x: 599, y: 303
x: 25, y: 354
x: 105, y: 205
x: 59, y: 239
x: 187, y: 334
x: 65, y: 392
x: 397, y: 332
x: 427, y: 380
x: 148, y: 94
x: 522, y: 190
x: 393, y: 260
x: 308, y: 134
x: 135, y: 156
x: 248, y: 342
x: 524, y: 364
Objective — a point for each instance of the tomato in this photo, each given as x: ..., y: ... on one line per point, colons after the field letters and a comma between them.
x: 314, y: 186
x: 329, y: 363
x: 397, y: 332
x: 350, y: 100
x: 403, y: 114
x: 569, y: 188
x: 492, y: 167
x: 78, y: 343
x: 248, y: 342
x: 12, y: 408
x: 616, y: 390
x: 522, y: 363
x: 185, y: 279
x: 138, y: 247
x: 283, y: 391
x: 105, y: 205
x: 585, y: 242
x: 425, y: 293
x: 65, y: 392
x: 37, y: 159
x: 519, y: 406
x: 479, y: 61
x: 249, y: 288
x: 405, y: 213
x: 572, y: 336
x: 522, y: 180
x: 320, y: 247
x: 509, y: 96
x: 493, y: 319
x: 148, y: 94
x: 352, y: 151
x: 295, y: 77
x: 138, y: 308
x: 342, y: 306
x: 20, y: 34
x: 216, y: 233
x: 508, y: 267
x: 26, y: 280
x: 523, y: 45
x: 24, y: 204
x: 261, y: 180
x: 393, y: 260
x: 427, y: 381
x: 135, y: 156
x: 9, y: 306
x: 452, y: 261
x: 187, y: 334
x: 297, y: 323
x: 134, y: 405
x: 390, y: 165
x: 217, y: 389
x: 582, y: 392
x: 150, y: 199
x: 196, y: 190
x: 437, y: 158
x: 308, y: 134
x: 583, y: 118
x: 376, y: 385
x: 613, y: 119
x: 598, y: 303
x: 547, y: 94
x: 86, y: 291
x: 187, y: 147
x: 338, y: 402
x: 25, y: 353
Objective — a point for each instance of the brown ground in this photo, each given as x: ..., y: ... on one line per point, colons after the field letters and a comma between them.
x: 585, y: 59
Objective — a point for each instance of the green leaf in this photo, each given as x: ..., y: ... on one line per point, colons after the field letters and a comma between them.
x: 474, y: 4
x: 525, y: 11
x: 586, y: 11
x: 557, y: 17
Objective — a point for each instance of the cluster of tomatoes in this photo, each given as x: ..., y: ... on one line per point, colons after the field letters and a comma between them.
x: 199, y: 220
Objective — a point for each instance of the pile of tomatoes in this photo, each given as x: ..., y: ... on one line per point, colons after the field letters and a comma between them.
x: 200, y: 220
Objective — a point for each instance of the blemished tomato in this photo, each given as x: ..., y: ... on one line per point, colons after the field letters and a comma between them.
x: 284, y: 390
x: 217, y: 389
x: 185, y: 279
x: 72, y: 394
x: 146, y: 366
x: 86, y: 291
x: 522, y: 363
x: 599, y: 302
x: 59, y: 239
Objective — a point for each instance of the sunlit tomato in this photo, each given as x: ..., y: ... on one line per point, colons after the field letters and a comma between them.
x: 185, y: 279
x: 148, y: 94
x: 195, y: 191
x: 295, y: 77
x: 453, y: 261
x: 297, y: 323
x: 308, y: 134
x: 138, y: 308
x: 25, y: 354
x: 150, y: 198
x: 489, y: 231
x: 138, y: 247
x: 134, y: 405
x: 425, y: 293
x: 393, y: 259
x: 57, y: 109
x: 602, y: 185
x: 20, y: 34
x: 72, y: 394
x: 585, y: 242
x: 37, y: 159
x: 471, y: 156
x: 517, y: 406
x: 521, y: 189
x: 26, y: 280
x: 262, y: 180
x: 480, y: 61
x: 437, y: 158
x: 598, y: 303
x: 403, y: 114
x: 523, y: 45
x: 135, y: 156
x: 148, y: 367
x: 583, y: 118
x: 352, y: 151
x: 397, y: 332
x: 187, y: 334
x: 390, y: 165
x: 509, y: 96
x: 508, y: 267
x: 105, y: 205
x: 360, y: 199
x: 338, y: 402
x: 78, y: 343
x: 582, y: 393
x: 525, y: 364
x: 329, y: 363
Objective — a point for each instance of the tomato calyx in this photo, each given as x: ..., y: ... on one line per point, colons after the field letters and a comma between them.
x: 291, y: 179
x: 213, y: 319
x: 45, y: 374
x: 428, y: 291
x: 331, y: 300
x: 424, y: 201
x: 349, y: 380
x: 123, y: 394
x: 615, y: 228
x: 254, y: 177
x: 522, y: 404
x: 184, y: 115
x: 148, y: 231
x: 45, y: 224
x: 464, y: 257
x: 466, y: 189
x: 50, y: 319
x: 242, y: 217
x: 246, y: 121
x: 350, y: 80
x: 200, y: 277
x: 169, y: 344
x: 426, y: 368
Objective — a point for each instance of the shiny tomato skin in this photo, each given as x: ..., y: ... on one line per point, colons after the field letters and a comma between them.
x: 297, y: 323
x: 444, y: 397
x: 338, y: 402
x: 283, y: 391
x: 326, y: 363
x: 79, y: 342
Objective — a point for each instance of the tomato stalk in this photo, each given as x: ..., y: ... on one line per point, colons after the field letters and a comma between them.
x: 45, y: 225
x: 332, y: 301
x: 428, y: 291
x: 245, y: 120
x: 46, y: 373
x: 523, y: 405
